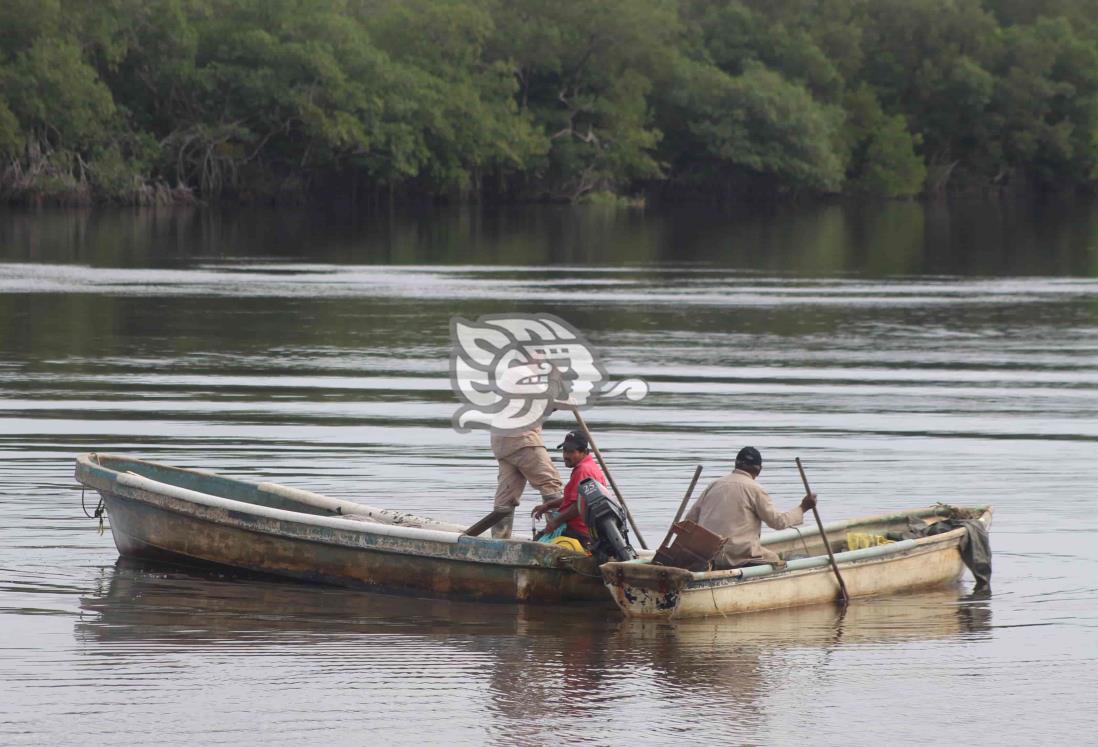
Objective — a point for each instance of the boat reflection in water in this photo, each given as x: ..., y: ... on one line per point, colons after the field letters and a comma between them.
x: 146, y: 601
x: 716, y: 652
x: 496, y: 670
x: 143, y: 603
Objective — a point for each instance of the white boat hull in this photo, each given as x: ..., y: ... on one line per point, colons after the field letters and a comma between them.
x: 643, y: 590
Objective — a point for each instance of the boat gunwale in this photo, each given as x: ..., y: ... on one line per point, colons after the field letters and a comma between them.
x: 808, y: 531
x: 338, y: 507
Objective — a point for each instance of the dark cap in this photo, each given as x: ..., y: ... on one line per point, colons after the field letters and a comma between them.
x: 749, y: 456
x: 574, y: 440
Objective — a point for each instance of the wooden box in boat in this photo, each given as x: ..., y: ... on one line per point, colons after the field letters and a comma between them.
x: 192, y: 516
x: 644, y: 590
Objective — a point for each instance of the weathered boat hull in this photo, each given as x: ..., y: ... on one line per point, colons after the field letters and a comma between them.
x: 643, y: 590
x: 154, y: 520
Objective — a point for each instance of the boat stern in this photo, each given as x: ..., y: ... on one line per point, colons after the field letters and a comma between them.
x: 643, y: 590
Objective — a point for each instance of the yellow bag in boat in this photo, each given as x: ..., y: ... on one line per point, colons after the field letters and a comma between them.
x: 569, y: 542
x: 859, y: 541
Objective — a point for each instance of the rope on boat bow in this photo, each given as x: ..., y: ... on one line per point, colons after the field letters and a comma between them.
x: 100, y: 510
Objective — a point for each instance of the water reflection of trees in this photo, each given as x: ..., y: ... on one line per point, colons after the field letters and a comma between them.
x: 966, y: 237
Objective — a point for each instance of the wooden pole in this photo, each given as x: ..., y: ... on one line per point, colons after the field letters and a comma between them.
x: 823, y: 536
x: 682, y: 506
x: 487, y: 522
x: 606, y: 471
x: 689, y: 492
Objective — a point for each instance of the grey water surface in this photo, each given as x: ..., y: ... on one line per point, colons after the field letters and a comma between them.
x: 907, y: 353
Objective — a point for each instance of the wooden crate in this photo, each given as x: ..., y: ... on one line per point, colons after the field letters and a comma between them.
x: 688, y: 546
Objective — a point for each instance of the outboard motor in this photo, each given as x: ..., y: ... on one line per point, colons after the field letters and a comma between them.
x: 605, y: 522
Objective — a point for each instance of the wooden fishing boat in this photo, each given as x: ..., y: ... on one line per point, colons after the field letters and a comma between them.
x: 192, y: 516
x: 644, y: 590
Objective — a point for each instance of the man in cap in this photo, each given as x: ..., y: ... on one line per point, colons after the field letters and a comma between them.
x: 736, y: 506
x: 522, y: 458
x: 576, y: 455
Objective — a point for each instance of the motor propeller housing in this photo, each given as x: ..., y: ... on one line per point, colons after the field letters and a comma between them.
x: 605, y: 522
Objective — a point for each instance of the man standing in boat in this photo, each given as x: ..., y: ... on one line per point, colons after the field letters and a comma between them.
x: 736, y: 507
x: 522, y: 458
x: 509, y: 371
x: 578, y: 457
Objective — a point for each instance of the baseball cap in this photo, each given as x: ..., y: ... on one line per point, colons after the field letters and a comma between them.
x: 749, y: 456
x: 574, y: 440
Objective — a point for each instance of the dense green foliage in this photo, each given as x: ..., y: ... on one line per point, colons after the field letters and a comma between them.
x: 145, y: 101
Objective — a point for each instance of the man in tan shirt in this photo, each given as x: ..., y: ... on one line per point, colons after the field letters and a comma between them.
x: 522, y: 458
x: 736, y: 506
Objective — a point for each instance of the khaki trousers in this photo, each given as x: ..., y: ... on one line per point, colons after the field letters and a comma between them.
x: 725, y: 559
x: 530, y: 464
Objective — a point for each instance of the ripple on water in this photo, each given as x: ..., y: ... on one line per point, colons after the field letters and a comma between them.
x: 896, y: 393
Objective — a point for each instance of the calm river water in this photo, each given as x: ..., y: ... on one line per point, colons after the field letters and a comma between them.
x: 908, y: 354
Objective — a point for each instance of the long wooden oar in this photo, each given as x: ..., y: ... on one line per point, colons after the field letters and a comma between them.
x: 487, y: 522
x: 823, y: 535
x: 682, y: 506
x: 689, y: 492
x: 605, y: 471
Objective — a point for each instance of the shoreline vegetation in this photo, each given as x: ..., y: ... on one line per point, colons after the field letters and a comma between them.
x: 372, y: 102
